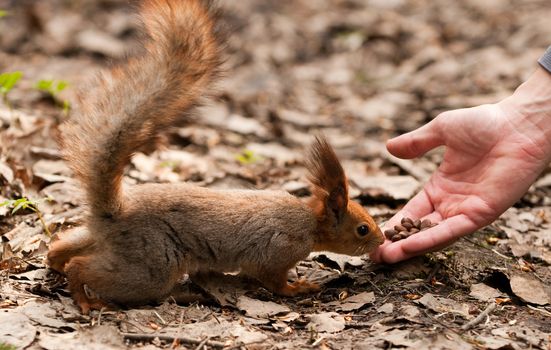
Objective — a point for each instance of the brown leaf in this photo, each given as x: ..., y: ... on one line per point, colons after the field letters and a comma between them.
x: 530, y: 289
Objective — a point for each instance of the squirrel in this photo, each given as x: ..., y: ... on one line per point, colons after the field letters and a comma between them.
x: 138, y: 242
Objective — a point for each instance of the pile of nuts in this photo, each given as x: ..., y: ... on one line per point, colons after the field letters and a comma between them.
x: 408, y: 227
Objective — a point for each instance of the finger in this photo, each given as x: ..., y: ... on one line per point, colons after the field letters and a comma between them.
x: 376, y: 255
x: 417, y: 142
x: 444, y: 234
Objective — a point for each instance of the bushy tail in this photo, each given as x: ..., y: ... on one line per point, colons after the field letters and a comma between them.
x: 134, y: 103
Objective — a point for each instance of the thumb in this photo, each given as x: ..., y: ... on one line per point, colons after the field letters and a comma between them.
x: 417, y: 142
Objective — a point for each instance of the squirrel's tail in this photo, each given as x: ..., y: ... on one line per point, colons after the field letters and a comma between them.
x: 134, y: 103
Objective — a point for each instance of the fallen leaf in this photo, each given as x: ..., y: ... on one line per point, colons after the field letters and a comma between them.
x: 5, y: 172
x: 396, y: 187
x: 338, y: 260
x: 483, y: 292
x: 328, y: 322
x: 16, y: 329
x: 101, y: 42
x: 259, y: 308
x: 530, y: 289
x: 245, y: 126
x: 354, y: 302
x: 43, y: 314
x: 440, y: 304
x: 386, y: 308
x: 101, y: 337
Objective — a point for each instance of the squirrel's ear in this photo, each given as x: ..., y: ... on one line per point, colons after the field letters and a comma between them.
x: 328, y: 178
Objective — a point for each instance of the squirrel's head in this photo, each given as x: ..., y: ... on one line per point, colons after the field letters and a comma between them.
x: 344, y: 226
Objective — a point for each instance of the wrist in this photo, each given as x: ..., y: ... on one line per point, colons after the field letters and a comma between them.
x: 529, y: 109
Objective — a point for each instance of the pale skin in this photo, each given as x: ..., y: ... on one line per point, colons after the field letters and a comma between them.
x: 493, y: 153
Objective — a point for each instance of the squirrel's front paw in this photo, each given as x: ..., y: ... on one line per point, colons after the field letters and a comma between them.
x: 301, y: 286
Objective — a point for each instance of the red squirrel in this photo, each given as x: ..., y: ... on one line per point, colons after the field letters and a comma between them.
x: 138, y: 242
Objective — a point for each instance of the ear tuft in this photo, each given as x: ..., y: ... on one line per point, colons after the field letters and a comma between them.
x: 327, y: 176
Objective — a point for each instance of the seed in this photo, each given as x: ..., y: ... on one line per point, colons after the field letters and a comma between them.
x: 407, y: 228
x: 400, y: 228
x: 390, y: 233
x: 425, y: 224
x: 406, y: 220
x: 403, y: 235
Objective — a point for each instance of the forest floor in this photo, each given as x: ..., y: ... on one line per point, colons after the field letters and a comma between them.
x: 361, y: 71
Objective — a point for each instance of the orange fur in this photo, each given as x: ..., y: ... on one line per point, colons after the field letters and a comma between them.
x: 335, y: 214
x: 137, y: 242
x: 136, y: 102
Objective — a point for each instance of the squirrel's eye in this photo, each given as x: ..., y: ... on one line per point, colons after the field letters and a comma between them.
x: 362, y: 230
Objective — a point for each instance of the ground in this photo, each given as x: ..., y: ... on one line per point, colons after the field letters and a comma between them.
x: 361, y: 71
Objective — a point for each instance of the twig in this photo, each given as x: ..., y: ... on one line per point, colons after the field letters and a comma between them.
x: 490, y: 249
x: 159, y: 317
x: 375, y: 286
x: 168, y: 338
x: 440, y: 322
x: 44, y: 226
x: 489, y: 309
x: 503, y: 256
x: 543, y: 311
x: 318, y: 341
x: 201, y: 344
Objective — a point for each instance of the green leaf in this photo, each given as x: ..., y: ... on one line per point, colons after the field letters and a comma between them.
x: 247, y: 157
x: 52, y: 87
x: 6, y: 346
x: 17, y: 207
x: 3, y: 13
x: 61, y: 85
x: 44, y: 85
x: 8, y: 81
x: 21, y: 203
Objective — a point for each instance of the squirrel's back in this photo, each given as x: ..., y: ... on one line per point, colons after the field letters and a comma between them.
x: 137, y: 101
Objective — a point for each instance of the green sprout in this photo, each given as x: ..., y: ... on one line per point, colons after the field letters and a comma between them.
x: 171, y: 164
x: 25, y: 203
x: 7, y: 82
x: 53, y: 88
x: 6, y: 346
x: 3, y: 13
x: 247, y: 157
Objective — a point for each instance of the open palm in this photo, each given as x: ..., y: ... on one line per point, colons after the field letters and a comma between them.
x: 490, y: 161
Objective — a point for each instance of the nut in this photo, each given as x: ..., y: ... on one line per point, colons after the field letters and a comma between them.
x: 400, y: 228
x: 406, y: 220
x: 425, y: 224
x: 390, y: 233
x: 408, y: 227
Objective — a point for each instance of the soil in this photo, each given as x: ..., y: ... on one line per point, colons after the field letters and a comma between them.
x: 361, y: 71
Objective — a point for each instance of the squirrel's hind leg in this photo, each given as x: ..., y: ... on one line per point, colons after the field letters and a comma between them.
x: 276, y: 281
x: 71, y: 243
x: 80, y: 277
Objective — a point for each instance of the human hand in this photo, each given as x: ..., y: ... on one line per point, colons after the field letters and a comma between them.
x: 493, y: 154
